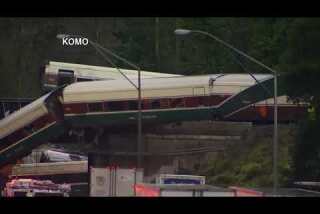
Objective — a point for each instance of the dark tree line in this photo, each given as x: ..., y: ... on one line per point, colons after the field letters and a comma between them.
x: 290, y: 45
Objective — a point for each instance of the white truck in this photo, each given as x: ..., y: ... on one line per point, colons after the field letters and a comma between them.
x: 114, y: 181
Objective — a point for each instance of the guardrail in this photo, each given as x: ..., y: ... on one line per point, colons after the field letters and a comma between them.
x: 9, y: 105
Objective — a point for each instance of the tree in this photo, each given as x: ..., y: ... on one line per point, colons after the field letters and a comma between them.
x: 301, y: 66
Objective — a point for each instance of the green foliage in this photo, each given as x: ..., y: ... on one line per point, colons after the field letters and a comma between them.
x: 27, y: 42
x: 301, y: 65
x: 300, y: 60
x: 251, y: 165
x: 307, y: 152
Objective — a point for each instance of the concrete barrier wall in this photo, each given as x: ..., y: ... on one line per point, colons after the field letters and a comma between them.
x: 175, y: 143
x: 202, y: 128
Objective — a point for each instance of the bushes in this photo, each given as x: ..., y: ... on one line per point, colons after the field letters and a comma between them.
x: 252, y: 166
x: 307, y: 152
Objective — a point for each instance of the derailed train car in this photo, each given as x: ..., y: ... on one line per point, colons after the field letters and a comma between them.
x: 30, y: 126
x: 111, y: 102
x: 55, y: 74
x: 172, y: 99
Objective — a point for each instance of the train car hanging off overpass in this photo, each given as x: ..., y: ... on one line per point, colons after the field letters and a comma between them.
x: 32, y: 125
x: 114, y: 102
x: 174, y: 99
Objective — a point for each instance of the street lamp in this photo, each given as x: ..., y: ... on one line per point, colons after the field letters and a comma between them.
x: 183, y: 32
x: 138, y: 87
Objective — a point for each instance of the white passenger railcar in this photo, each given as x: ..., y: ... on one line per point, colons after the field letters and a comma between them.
x: 166, y: 99
x: 114, y: 102
x: 157, y: 88
x: 55, y: 74
x: 33, y: 124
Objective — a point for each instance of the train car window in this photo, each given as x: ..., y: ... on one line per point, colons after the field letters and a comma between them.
x: 84, y: 79
x: 177, y: 103
x: 155, y: 104
x: 49, y: 79
x: 65, y: 76
x: 201, y: 101
x: 132, y: 105
x: 115, y: 106
x: 164, y: 103
x: 125, y: 105
x: 2, y: 111
x: 20, y: 194
x: 29, y: 128
x: 191, y: 101
x: 207, y: 100
x: 95, y: 107
x: 146, y: 104
x: 215, y: 99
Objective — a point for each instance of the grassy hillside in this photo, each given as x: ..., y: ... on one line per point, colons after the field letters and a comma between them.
x: 250, y: 164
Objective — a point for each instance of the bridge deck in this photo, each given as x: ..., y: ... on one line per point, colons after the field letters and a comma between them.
x: 37, y: 169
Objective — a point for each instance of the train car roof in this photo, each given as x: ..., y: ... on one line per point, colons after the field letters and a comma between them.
x: 104, y: 72
x: 165, y: 82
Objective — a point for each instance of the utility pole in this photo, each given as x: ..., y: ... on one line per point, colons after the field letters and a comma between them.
x: 183, y: 32
x: 157, y: 53
x: 177, y: 50
x: 98, y: 48
x: 275, y: 137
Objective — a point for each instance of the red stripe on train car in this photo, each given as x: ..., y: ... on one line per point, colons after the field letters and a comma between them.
x: 75, y: 108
